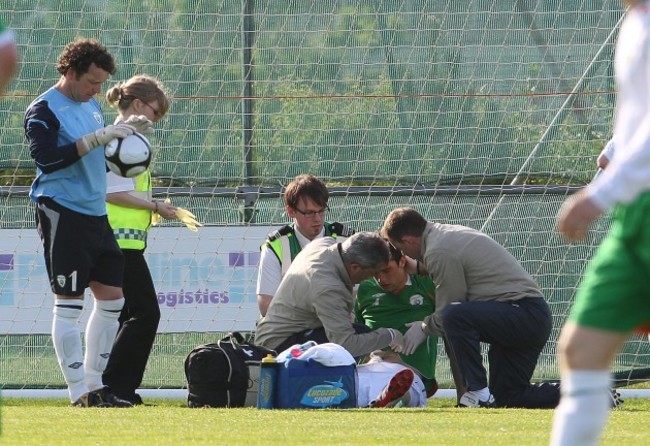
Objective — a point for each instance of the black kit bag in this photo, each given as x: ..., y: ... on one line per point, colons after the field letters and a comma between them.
x: 219, y: 374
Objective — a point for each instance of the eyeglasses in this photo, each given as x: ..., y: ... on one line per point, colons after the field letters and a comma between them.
x: 156, y: 113
x: 312, y: 214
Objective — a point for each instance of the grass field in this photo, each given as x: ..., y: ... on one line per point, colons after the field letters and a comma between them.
x: 169, y: 422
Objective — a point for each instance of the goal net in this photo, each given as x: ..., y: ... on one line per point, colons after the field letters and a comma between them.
x: 483, y: 113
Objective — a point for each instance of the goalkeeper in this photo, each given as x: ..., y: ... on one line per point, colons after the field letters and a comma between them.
x: 65, y: 130
x: 130, y: 206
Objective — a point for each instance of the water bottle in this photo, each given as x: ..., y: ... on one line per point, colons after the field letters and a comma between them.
x: 268, y: 377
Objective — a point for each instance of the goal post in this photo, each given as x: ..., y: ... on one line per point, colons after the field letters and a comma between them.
x: 484, y: 113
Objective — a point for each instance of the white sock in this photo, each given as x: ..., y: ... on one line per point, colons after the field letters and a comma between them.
x: 66, y: 338
x: 584, y: 408
x: 482, y: 395
x: 100, y: 335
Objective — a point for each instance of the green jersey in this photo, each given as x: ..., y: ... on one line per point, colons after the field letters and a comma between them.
x: 376, y: 308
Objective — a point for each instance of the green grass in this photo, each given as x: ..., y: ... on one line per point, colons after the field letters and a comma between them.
x: 169, y: 422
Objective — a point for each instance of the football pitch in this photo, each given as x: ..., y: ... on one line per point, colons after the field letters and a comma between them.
x: 169, y: 422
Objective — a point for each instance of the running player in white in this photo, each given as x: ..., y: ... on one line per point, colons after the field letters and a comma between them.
x: 611, y: 302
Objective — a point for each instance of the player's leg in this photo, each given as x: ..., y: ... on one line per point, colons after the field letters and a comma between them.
x: 384, y: 383
x: 138, y: 325
x: 586, y: 355
x: 100, y: 331
x: 396, y: 391
x: 66, y: 338
x: 610, y: 303
x: 417, y: 394
x: 65, y: 262
x: 105, y: 283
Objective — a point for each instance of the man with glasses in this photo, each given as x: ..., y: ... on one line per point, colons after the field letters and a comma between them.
x: 305, y: 201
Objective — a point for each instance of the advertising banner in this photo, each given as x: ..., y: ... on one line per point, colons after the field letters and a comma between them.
x: 205, y: 280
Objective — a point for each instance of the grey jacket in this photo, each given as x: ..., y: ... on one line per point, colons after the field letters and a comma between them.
x: 468, y: 265
x: 317, y: 292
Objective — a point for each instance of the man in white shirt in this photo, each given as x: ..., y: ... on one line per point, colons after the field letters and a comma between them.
x: 305, y: 201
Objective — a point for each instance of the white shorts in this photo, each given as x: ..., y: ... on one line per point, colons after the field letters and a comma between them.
x: 374, y: 376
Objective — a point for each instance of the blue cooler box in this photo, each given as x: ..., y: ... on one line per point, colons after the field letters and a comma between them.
x: 311, y: 385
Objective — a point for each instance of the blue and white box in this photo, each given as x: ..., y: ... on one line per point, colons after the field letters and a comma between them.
x: 310, y: 385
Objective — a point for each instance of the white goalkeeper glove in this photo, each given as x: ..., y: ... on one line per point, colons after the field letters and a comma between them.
x: 413, y: 337
x: 101, y: 137
x: 140, y: 123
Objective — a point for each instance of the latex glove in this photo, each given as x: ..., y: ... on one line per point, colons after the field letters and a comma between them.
x: 101, y: 137
x: 413, y: 337
x: 141, y: 123
x: 188, y: 219
x: 397, y: 342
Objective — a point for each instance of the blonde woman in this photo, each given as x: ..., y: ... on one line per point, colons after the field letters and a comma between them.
x: 130, y: 205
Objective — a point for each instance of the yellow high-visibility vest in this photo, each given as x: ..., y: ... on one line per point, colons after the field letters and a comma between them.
x: 285, y: 245
x: 130, y: 225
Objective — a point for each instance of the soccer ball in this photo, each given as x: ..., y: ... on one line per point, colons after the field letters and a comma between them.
x: 128, y: 157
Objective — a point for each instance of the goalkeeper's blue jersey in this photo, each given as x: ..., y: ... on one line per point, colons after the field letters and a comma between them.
x: 53, y: 124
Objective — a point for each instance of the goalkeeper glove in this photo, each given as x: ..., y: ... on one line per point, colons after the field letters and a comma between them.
x: 140, y: 123
x: 413, y: 337
x: 101, y: 137
x: 188, y: 219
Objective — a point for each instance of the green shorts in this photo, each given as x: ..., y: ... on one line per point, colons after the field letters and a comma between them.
x: 615, y: 292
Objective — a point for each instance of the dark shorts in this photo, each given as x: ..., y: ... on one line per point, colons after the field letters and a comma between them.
x: 78, y: 249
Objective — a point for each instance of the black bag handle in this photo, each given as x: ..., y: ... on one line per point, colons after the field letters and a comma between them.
x: 235, y: 339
